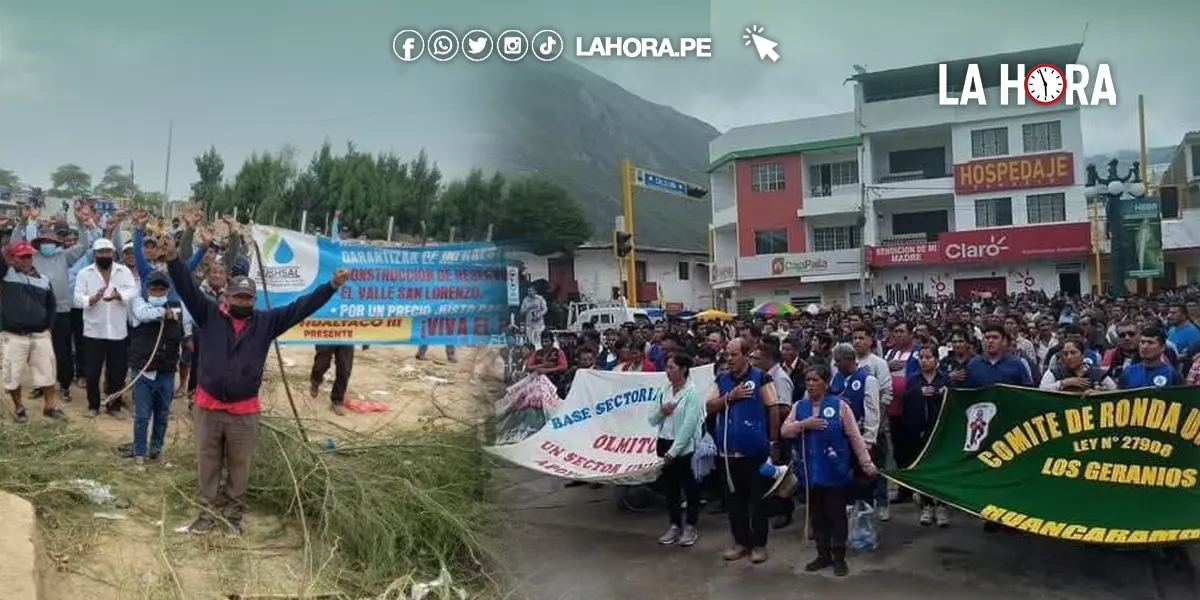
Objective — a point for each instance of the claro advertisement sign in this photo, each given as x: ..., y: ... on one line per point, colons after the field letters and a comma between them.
x: 1034, y: 242
x: 1015, y: 173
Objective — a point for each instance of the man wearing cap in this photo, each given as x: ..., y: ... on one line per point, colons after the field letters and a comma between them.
x: 234, y: 341
x: 25, y: 323
x: 105, y: 290
x: 53, y: 259
x: 154, y: 343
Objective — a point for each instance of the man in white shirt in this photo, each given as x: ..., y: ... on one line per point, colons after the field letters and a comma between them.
x: 863, y: 340
x: 104, y: 290
x: 533, y: 308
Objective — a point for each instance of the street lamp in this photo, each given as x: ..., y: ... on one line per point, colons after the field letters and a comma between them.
x: 1114, y: 191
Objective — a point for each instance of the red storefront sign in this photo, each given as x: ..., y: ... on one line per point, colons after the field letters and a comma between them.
x: 908, y: 253
x: 1015, y: 173
x: 1033, y: 242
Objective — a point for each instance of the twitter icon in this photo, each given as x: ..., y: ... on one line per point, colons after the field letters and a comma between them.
x: 478, y: 45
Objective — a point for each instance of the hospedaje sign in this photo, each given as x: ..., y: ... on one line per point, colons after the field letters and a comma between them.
x: 1116, y: 468
x: 1015, y: 173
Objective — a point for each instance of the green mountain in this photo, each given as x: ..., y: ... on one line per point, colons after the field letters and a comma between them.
x: 572, y: 125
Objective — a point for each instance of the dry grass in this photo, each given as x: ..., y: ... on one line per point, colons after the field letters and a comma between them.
x: 365, y: 520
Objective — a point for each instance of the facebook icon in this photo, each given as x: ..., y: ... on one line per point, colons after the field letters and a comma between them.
x: 408, y: 45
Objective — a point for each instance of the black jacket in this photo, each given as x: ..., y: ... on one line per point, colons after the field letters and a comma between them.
x: 28, y: 301
x: 141, y: 345
x: 231, y: 364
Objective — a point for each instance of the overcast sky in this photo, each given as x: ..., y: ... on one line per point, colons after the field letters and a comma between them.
x: 97, y: 83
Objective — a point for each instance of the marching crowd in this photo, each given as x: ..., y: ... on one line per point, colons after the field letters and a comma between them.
x: 170, y: 310
x: 832, y: 395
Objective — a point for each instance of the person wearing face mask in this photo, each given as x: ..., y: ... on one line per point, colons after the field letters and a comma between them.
x: 104, y: 290
x: 234, y: 339
x: 28, y: 315
x: 157, y: 321
x: 53, y: 259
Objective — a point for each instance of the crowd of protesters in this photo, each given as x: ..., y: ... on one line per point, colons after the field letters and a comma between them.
x: 868, y: 384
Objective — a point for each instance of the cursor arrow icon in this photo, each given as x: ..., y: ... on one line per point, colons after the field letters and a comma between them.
x: 765, y: 47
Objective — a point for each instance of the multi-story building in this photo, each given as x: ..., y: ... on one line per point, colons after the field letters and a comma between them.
x: 905, y: 197
x: 673, y: 278
x: 1179, y: 191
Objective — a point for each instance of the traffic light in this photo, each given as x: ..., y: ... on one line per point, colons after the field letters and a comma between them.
x: 623, y: 242
x: 696, y: 192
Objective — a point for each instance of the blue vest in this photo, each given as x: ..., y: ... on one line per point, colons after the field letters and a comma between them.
x: 745, y: 418
x: 1137, y: 375
x: 824, y: 456
x: 853, y: 389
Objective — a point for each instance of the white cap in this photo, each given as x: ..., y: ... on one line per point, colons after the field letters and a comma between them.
x: 102, y: 244
x: 127, y: 247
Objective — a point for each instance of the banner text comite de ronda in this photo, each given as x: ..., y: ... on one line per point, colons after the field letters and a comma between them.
x: 438, y: 295
x: 1069, y: 467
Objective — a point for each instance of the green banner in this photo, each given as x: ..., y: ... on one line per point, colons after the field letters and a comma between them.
x: 1112, y: 468
x: 1142, y: 220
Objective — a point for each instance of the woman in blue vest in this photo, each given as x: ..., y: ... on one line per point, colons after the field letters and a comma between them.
x: 826, y: 433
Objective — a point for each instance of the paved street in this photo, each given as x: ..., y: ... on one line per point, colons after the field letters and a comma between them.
x: 574, y: 544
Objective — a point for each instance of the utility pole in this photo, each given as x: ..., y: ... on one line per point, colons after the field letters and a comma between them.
x: 631, y: 291
x: 634, y: 176
x: 167, y: 176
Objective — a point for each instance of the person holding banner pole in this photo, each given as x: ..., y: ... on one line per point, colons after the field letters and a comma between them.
x: 742, y: 401
x: 679, y: 418
x: 827, y: 443
x: 235, y: 338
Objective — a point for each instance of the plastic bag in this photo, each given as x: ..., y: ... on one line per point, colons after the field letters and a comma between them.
x: 862, y: 526
x: 704, y: 457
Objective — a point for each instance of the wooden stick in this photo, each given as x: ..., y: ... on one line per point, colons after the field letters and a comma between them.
x: 287, y: 389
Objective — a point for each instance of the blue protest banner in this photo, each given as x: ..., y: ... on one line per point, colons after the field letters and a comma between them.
x: 445, y: 294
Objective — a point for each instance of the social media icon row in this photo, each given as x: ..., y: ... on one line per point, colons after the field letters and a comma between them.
x: 477, y: 45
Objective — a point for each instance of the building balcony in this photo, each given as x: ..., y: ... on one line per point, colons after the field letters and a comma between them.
x: 829, y: 200
x: 911, y: 163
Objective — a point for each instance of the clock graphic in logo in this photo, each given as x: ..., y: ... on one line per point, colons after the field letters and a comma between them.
x: 1045, y: 84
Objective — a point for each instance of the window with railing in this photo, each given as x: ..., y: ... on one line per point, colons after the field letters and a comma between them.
x: 844, y: 237
x: 767, y: 177
x: 771, y: 241
x: 993, y: 212
x: 823, y: 178
x: 1046, y: 208
x: 744, y: 307
x: 1195, y: 161
x: 1042, y: 137
x: 989, y: 142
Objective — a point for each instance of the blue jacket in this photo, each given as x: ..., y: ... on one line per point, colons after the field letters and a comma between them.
x: 1138, y: 375
x: 231, y: 368
x: 1009, y: 369
x: 852, y: 388
x: 746, y: 419
x: 824, y: 455
x: 921, y: 411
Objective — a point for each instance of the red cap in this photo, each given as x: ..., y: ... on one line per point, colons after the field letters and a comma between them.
x: 21, y: 248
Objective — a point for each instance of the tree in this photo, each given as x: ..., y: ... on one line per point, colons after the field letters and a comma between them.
x: 541, y: 216
x: 261, y: 185
x: 9, y: 180
x: 211, y: 187
x: 116, y: 182
x: 371, y: 190
x: 70, y: 180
